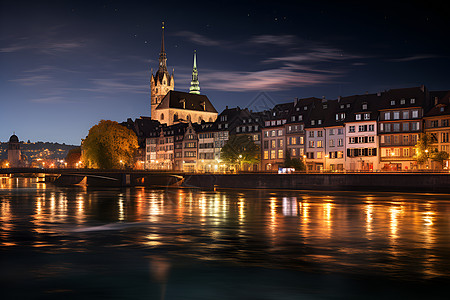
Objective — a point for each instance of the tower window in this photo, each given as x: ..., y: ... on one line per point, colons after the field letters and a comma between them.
x: 162, y: 116
x: 157, y: 90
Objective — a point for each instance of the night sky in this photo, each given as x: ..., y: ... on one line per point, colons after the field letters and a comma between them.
x: 65, y: 65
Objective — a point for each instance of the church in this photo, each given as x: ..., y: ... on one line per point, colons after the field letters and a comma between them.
x: 169, y: 106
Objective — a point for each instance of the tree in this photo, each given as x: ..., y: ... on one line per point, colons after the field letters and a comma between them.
x: 295, y: 163
x: 73, y: 157
x: 440, y: 157
x: 423, y: 148
x: 109, y: 145
x: 240, y: 149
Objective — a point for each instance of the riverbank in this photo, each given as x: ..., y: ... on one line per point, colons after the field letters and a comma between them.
x: 414, y: 182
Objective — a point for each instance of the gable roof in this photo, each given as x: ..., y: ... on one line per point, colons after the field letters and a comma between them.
x: 175, y: 99
x: 441, y: 105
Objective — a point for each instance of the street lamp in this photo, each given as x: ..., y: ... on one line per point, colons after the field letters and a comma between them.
x: 326, y: 156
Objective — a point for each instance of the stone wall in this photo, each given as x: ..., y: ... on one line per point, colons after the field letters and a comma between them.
x: 373, y: 182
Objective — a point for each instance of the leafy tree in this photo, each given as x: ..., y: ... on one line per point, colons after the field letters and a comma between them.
x: 73, y: 157
x: 440, y: 157
x: 240, y: 149
x: 423, y: 148
x: 295, y: 163
x: 109, y: 145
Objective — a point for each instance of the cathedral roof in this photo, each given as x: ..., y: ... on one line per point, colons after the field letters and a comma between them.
x: 14, y: 139
x: 182, y: 100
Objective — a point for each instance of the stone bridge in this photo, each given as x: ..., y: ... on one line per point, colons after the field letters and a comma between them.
x: 107, y: 178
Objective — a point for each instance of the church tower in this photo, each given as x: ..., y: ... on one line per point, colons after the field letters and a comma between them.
x: 195, y: 85
x: 14, y: 154
x: 162, y: 82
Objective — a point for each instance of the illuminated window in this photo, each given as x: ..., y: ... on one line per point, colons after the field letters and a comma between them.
x: 280, y: 153
x: 266, y: 154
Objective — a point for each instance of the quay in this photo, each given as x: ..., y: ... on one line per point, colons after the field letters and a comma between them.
x: 399, y: 181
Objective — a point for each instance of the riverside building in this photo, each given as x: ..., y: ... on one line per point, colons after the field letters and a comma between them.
x: 400, y: 123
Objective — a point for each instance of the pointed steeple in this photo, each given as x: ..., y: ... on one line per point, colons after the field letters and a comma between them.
x: 195, y: 85
x: 162, y: 54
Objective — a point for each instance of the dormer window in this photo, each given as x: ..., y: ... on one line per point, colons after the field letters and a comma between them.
x: 342, y: 106
x: 325, y: 106
x: 348, y: 105
x: 392, y: 102
x: 183, y: 102
x: 313, y: 122
x: 243, y: 121
x: 413, y: 100
x: 340, y: 116
x: 364, y: 106
x: 297, y: 109
x: 366, y: 116
x: 293, y: 118
x: 358, y: 117
x: 402, y: 101
x: 319, y: 122
x: 274, y: 114
x: 300, y: 117
x: 441, y: 109
x: 305, y: 107
x: 203, y: 104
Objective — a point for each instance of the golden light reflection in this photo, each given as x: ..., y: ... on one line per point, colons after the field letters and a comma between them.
x: 80, y: 215
x: 273, y: 215
x: 180, y: 207
x: 121, y: 209
x: 153, y: 240
x: 394, y: 212
x: 369, y: 217
x: 139, y: 204
x: 241, y: 204
x: 202, y: 206
x: 327, y: 210
x: 429, y: 240
x: 6, y: 222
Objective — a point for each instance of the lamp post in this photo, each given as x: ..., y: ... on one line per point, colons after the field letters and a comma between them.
x: 326, y: 156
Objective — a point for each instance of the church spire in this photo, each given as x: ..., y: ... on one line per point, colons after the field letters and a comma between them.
x: 162, y: 54
x: 195, y: 85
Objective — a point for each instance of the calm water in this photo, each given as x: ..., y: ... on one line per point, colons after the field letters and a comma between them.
x: 139, y: 243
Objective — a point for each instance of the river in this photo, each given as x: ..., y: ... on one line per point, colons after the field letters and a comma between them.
x: 142, y: 243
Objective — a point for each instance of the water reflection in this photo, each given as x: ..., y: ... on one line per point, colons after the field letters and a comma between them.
x: 406, y: 235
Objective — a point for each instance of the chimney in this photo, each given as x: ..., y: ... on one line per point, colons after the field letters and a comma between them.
x: 436, y: 100
x: 422, y: 88
x: 295, y: 101
x: 226, y: 107
x: 339, y: 99
x: 367, y: 92
x: 323, y: 99
x: 379, y: 94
